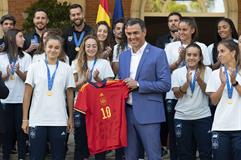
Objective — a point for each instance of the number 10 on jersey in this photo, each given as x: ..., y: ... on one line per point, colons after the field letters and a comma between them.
x: 106, y: 112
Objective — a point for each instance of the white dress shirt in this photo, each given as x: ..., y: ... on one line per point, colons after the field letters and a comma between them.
x: 135, y: 60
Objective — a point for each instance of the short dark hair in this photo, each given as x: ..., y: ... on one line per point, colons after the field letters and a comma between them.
x: 174, y: 14
x: 8, y: 17
x: 120, y: 20
x: 133, y: 21
x: 40, y: 10
x: 73, y: 6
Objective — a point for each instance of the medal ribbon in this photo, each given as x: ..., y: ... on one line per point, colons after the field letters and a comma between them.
x: 229, y: 85
x: 92, y: 69
x: 51, y: 78
x: 192, y: 83
x: 76, y: 40
x: 12, y: 66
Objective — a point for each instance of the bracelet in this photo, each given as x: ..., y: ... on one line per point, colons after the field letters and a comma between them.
x: 25, y: 120
x: 181, y: 90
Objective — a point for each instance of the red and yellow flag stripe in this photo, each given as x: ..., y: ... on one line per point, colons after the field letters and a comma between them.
x: 102, y: 14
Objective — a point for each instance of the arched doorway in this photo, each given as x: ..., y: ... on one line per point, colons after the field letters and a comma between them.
x: 206, y: 13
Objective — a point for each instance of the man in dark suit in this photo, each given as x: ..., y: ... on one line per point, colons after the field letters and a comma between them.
x: 32, y: 39
x: 73, y: 38
x: 74, y: 34
x: 145, y: 70
x: 173, y: 21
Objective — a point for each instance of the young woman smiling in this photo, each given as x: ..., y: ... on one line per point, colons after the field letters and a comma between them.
x: 104, y: 36
x: 225, y: 29
x: 14, y: 65
x: 50, y: 83
x: 88, y: 67
x: 225, y: 91
x: 192, y: 117
x: 188, y: 32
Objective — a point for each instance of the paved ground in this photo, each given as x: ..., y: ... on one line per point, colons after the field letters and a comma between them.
x: 70, y: 154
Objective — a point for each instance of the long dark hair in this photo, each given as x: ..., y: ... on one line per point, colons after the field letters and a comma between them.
x: 11, y: 48
x: 109, y: 40
x: 192, y: 23
x: 218, y: 38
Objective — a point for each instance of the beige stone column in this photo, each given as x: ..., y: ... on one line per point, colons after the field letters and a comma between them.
x: 136, y: 8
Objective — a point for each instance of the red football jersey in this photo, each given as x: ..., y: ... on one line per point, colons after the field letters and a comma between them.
x: 105, y: 115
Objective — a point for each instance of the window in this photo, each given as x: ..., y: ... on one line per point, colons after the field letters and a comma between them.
x: 185, y: 6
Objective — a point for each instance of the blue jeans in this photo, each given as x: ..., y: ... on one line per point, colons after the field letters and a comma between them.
x: 226, y: 145
x: 38, y: 137
x: 13, y: 122
x: 190, y: 133
x: 81, y: 150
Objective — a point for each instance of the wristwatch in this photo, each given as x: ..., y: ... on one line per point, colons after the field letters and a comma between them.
x: 235, y: 84
x: 137, y: 84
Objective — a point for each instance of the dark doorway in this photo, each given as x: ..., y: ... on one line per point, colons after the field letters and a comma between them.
x: 157, y: 26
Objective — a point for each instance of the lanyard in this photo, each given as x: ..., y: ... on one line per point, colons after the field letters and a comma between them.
x: 51, y: 78
x: 192, y: 83
x: 229, y: 85
x: 12, y: 66
x: 92, y: 69
x: 76, y: 40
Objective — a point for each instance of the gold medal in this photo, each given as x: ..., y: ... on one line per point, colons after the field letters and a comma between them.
x: 230, y: 101
x: 77, y: 49
x: 11, y: 77
x: 50, y: 93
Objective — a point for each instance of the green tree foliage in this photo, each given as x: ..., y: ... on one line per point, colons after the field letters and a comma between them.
x: 196, y: 7
x: 175, y: 7
x: 57, y: 13
x: 157, y: 6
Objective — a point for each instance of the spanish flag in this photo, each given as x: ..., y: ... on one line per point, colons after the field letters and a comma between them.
x: 103, y: 10
x: 118, y: 11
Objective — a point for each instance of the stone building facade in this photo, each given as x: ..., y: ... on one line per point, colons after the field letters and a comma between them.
x: 132, y: 8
